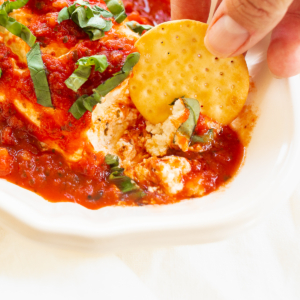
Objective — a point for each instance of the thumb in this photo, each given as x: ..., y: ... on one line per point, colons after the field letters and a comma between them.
x: 240, y: 24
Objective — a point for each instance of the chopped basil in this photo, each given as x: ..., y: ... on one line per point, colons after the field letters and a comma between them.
x: 112, y: 160
x: 78, y: 78
x: 187, y: 128
x: 63, y: 15
x: 138, y: 28
x: 82, y: 104
x: 124, y: 183
x: 206, y: 138
x: 12, y: 25
x: 131, y: 60
x: 38, y: 76
x: 99, y: 61
x: 102, y: 12
x: 10, y: 6
x: 90, y: 19
x: 85, y: 102
x: 0, y: 73
x: 116, y: 7
x: 82, y: 73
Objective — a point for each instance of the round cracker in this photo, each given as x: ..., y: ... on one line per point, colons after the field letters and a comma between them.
x: 175, y: 63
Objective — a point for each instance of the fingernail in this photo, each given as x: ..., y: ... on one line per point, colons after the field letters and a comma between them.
x: 225, y: 37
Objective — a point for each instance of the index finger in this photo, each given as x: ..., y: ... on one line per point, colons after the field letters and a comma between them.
x: 193, y: 9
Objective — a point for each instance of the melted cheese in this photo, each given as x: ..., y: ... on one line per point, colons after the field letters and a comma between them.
x: 166, y: 172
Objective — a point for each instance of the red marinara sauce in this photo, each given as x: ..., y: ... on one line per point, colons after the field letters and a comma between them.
x: 23, y: 160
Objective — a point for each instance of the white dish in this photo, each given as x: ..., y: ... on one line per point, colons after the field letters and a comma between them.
x: 269, y: 175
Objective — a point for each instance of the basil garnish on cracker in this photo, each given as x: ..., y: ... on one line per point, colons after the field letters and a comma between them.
x: 187, y: 128
x: 203, y: 139
x: 38, y: 76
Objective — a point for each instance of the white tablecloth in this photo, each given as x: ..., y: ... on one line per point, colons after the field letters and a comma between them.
x: 262, y: 263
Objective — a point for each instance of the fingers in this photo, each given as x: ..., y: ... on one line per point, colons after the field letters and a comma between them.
x: 192, y: 9
x: 284, y: 49
x: 240, y: 24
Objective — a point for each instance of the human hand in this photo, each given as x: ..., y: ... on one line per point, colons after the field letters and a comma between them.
x: 238, y: 25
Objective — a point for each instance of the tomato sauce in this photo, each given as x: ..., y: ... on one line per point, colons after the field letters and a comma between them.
x: 25, y: 161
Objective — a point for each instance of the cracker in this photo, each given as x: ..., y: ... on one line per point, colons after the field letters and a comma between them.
x: 175, y: 63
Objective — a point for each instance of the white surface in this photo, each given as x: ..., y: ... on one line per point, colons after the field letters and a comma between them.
x: 262, y: 263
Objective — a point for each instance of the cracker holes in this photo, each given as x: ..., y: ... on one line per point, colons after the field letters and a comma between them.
x: 194, y: 40
x: 221, y: 73
x: 206, y: 69
x: 199, y: 56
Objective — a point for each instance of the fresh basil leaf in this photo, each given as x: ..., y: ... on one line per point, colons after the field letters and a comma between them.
x: 88, y: 18
x: 203, y: 139
x: 187, y: 128
x: 90, y: 101
x: 102, y: 12
x: 124, y: 183
x: 99, y: 61
x: 85, y: 102
x: 112, y: 160
x: 10, y: 6
x: 38, y: 76
x: 131, y: 60
x: 12, y: 25
x: 78, y: 109
x: 116, y: 7
x: 138, y: 28
x: 78, y: 78
x: 63, y: 15
x: 82, y: 104
x: 81, y: 16
x: 82, y: 73
x: 0, y: 73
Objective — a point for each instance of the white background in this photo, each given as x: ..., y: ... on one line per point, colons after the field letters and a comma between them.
x: 262, y: 263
